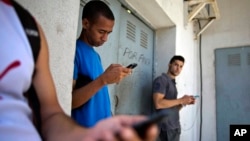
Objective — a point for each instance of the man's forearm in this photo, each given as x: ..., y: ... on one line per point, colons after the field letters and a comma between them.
x: 61, y: 127
x: 83, y: 94
x: 165, y: 103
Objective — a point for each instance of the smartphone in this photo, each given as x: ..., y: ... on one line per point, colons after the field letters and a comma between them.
x: 196, y: 96
x: 131, y: 66
x: 142, y: 127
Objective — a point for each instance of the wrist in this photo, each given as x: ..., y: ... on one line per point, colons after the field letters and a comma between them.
x: 101, y: 80
x: 182, y: 103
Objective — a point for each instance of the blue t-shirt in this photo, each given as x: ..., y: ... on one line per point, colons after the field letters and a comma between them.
x: 88, y: 63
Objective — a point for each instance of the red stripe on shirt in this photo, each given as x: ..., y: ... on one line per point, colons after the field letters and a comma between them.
x: 7, y: 2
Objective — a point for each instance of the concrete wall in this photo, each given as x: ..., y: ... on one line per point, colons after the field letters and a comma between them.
x: 59, y: 21
x: 231, y: 30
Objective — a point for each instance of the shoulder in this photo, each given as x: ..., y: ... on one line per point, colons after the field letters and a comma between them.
x: 83, y: 48
x: 162, y: 77
x: 82, y: 45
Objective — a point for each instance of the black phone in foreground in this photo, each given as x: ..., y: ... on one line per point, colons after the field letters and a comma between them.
x: 142, y: 127
x: 131, y: 66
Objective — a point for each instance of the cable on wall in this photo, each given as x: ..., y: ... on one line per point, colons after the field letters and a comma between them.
x: 201, y: 81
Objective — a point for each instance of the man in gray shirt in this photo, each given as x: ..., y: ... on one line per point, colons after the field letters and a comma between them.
x: 165, y: 99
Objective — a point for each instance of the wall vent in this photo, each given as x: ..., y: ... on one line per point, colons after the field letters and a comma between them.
x: 248, y: 58
x: 234, y: 60
x: 144, y: 39
x: 131, y: 31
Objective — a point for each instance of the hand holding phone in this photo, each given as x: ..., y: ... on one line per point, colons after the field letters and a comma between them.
x: 131, y: 66
x: 143, y: 126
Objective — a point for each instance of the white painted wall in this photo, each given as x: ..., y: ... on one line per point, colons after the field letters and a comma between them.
x: 231, y: 30
x: 58, y: 19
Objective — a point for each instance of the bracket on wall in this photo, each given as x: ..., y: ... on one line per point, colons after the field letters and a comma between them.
x: 206, y: 11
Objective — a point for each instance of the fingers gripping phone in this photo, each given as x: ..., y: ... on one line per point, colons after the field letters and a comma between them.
x: 143, y: 126
x: 131, y: 66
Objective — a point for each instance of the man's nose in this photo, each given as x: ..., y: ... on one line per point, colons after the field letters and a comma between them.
x: 179, y: 68
x: 105, y: 37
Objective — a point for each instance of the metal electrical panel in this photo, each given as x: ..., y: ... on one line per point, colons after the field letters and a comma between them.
x: 232, y: 71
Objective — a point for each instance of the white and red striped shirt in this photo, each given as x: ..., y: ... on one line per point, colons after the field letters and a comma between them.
x: 16, y: 68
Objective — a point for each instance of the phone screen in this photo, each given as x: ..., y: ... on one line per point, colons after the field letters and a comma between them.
x: 196, y: 96
x: 131, y: 66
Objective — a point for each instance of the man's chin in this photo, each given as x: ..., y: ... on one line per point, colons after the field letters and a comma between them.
x: 97, y: 45
x: 176, y: 74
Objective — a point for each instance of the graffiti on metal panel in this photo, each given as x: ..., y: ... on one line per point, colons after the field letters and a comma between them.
x: 139, y: 57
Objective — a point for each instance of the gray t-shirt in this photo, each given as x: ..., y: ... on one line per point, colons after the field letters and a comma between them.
x: 167, y: 86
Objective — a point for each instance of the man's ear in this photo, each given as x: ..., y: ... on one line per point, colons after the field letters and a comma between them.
x: 85, y: 23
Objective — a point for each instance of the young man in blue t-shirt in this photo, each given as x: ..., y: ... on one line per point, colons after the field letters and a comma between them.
x: 90, y: 96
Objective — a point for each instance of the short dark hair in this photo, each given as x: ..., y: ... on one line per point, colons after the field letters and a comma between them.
x: 93, y: 9
x: 177, y: 57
